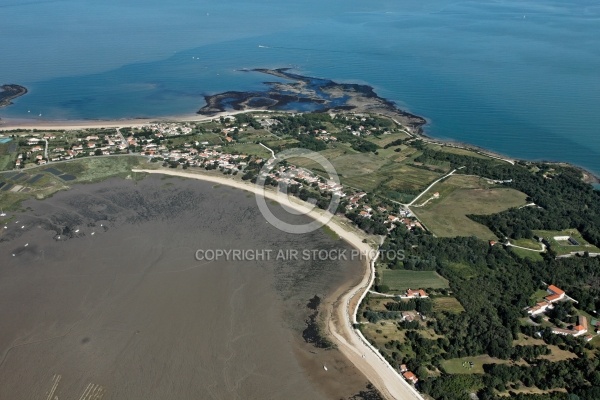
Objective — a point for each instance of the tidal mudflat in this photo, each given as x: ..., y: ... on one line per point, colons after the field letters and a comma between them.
x: 101, y: 297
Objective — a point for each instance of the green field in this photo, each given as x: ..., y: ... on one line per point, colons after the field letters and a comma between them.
x: 398, y: 280
x: 455, y: 365
x: 92, y: 169
x: 449, y: 304
x: 527, y: 243
x: 531, y: 255
x: 95, y: 169
x: 564, y: 247
x: 461, y: 196
x: 7, y: 159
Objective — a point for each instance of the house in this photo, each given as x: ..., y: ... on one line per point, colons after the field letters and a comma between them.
x: 555, y: 294
x: 581, y: 327
x: 539, y: 308
x: 408, y: 316
x: 416, y: 293
x: 409, y: 376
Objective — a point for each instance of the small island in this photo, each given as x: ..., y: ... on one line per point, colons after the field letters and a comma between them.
x: 10, y: 92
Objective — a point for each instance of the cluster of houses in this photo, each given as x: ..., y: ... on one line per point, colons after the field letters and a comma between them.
x: 165, y: 129
x: 43, y: 151
x: 293, y: 175
x: 556, y: 294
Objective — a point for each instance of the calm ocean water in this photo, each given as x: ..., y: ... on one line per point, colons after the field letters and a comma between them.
x: 518, y: 77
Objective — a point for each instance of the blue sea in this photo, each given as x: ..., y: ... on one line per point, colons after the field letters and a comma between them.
x: 521, y: 78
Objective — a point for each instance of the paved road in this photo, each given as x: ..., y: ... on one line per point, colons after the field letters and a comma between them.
x: 360, y: 353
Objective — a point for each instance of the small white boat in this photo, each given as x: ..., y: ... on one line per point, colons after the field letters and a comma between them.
x: 26, y: 244
x: 77, y: 231
x: 325, y: 368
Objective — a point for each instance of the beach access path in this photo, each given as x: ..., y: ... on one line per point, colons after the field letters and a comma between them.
x: 343, y: 312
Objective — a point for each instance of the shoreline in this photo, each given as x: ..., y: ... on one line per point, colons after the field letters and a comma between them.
x: 11, y: 124
x: 341, y: 311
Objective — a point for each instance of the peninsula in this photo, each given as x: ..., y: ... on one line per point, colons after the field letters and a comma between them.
x: 308, y: 94
x: 9, y: 93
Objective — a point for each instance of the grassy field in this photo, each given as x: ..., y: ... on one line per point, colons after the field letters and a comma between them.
x: 564, y: 247
x: 532, y: 255
x: 527, y: 243
x: 466, y: 271
x: 85, y: 170
x: 556, y: 354
x: 247, y: 149
x: 454, y: 150
x: 94, y: 169
x: 449, y: 304
x: 461, y: 196
x: 455, y: 365
x: 399, y: 280
x: 7, y: 158
x: 386, y: 173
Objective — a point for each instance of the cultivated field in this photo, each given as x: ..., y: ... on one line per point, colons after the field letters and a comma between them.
x: 399, y: 280
x: 461, y: 196
x: 449, y: 304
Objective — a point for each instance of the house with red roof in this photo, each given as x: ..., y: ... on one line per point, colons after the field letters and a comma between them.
x: 416, y: 293
x: 409, y: 376
x: 555, y: 294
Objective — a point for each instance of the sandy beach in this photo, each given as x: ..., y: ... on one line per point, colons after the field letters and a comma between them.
x: 7, y: 124
x: 341, y: 312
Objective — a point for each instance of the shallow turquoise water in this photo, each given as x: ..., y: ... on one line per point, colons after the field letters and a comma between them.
x: 518, y: 77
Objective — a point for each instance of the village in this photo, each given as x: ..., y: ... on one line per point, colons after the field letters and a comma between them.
x: 180, y: 145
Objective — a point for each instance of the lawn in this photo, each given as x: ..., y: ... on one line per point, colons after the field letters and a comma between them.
x: 461, y: 196
x: 399, y: 280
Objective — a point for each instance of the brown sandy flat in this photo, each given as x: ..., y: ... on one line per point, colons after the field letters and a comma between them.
x: 128, y: 313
